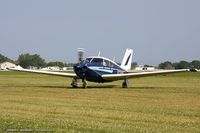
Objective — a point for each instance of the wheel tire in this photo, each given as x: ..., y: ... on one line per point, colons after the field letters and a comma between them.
x: 74, y: 84
x: 124, y: 85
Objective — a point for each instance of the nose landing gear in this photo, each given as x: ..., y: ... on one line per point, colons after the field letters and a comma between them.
x: 74, y: 83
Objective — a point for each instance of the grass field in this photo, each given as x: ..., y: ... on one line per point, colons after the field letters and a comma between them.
x: 42, y: 103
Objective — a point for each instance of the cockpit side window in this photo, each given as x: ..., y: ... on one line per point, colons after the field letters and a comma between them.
x: 97, y: 61
x: 107, y: 63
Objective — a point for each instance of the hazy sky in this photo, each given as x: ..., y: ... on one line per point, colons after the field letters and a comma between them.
x: 157, y: 30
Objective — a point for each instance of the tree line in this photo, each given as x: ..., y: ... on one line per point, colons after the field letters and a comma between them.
x: 180, y: 65
x: 4, y: 58
x: 174, y: 65
x: 27, y: 60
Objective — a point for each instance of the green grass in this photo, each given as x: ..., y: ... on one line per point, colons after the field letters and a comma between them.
x: 33, y: 102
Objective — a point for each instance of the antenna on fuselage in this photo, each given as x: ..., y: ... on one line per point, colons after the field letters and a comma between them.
x: 80, y: 54
x: 99, y: 53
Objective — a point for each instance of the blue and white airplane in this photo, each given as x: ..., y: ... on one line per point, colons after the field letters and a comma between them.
x: 100, y: 69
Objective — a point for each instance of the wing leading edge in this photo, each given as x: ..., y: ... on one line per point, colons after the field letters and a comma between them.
x: 70, y: 75
x: 111, y: 77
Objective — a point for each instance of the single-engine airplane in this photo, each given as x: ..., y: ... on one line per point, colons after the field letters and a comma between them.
x: 100, y: 69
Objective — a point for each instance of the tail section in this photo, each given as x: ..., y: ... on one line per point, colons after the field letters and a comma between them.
x: 126, y: 62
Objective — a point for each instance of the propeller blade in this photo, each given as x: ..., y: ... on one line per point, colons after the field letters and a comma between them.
x: 80, y: 54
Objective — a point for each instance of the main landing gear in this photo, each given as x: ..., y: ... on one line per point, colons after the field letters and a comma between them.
x: 74, y: 83
x: 125, y: 84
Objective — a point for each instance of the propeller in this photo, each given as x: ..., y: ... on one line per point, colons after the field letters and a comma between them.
x: 80, y: 68
x: 80, y: 54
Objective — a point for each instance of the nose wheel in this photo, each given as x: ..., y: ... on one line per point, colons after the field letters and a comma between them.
x: 74, y: 83
x: 125, y: 84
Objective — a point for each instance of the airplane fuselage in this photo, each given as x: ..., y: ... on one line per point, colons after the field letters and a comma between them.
x: 93, y: 67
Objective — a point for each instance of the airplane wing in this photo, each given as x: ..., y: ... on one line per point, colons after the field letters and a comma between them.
x: 71, y: 75
x: 111, y: 77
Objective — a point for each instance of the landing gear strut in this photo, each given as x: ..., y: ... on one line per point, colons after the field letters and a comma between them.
x: 84, y: 83
x: 125, y: 84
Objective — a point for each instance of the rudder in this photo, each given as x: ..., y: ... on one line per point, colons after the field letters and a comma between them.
x: 126, y: 62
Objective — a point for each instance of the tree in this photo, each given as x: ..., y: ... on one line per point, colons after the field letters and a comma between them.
x: 183, y: 65
x: 69, y: 64
x: 195, y: 64
x: 56, y: 63
x: 148, y: 65
x: 27, y: 60
x: 3, y: 58
x: 133, y: 65
x: 166, y: 65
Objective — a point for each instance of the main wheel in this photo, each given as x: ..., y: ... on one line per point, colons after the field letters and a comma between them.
x: 124, y: 85
x: 75, y: 86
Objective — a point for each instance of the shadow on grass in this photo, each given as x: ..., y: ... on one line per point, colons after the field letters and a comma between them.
x: 96, y: 87
x: 106, y: 87
x: 80, y: 87
x: 149, y: 88
x: 46, y: 86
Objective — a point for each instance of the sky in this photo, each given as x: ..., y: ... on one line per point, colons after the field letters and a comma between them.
x: 157, y: 30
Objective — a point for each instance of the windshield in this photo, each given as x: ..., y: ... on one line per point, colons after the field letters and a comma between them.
x: 97, y: 61
x: 87, y: 60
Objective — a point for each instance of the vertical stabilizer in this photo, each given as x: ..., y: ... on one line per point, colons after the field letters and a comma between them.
x: 126, y: 62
